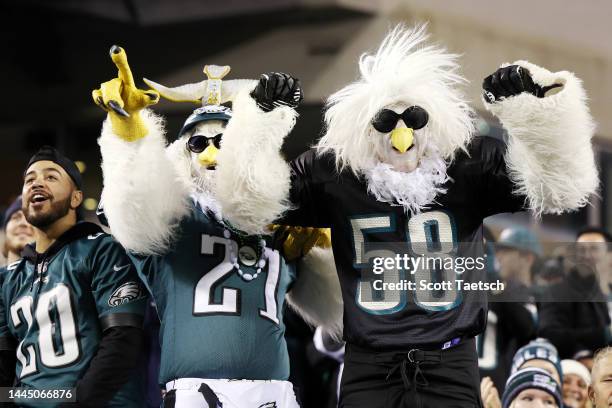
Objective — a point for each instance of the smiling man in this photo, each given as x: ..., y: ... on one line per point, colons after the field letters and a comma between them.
x: 17, y: 232
x: 600, y: 389
x: 73, y: 304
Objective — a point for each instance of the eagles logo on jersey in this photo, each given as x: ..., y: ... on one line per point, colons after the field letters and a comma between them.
x: 127, y: 292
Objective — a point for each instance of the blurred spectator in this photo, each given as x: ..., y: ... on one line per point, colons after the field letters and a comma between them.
x: 576, y: 380
x: 539, y: 353
x: 516, y: 251
x: 18, y: 233
x: 550, y: 273
x: 573, y: 314
x: 584, y: 357
x: 532, y: 388
x: 600, y: 389
x: 592, y: 255
x: 512, y: 313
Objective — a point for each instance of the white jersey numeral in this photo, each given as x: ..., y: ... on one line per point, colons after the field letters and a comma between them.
x: 56, y: 323
x: 28, y: 363
x: 59, y: 296
x: 391, y: 301
x: 230, y: 304
x: 487, y: 344
x: 420, y: 228
x: 204, y: 290
x: 425, y: 231
x: 270, y: 311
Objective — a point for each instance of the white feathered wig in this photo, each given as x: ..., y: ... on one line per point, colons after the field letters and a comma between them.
x: 407, y: 71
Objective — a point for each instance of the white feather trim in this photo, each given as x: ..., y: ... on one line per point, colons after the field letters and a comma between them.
x: 252, y: 177
x: 144, y: 195
x: 405, y: 70
x: 550, y: 158
x: 415, y: 191
x: 316, y: 294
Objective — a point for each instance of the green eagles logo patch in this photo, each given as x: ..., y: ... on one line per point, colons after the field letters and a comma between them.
x: 125, y: 293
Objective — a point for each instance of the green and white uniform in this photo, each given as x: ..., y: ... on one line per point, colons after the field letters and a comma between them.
x: 215, y: 323
x: 56, y: 306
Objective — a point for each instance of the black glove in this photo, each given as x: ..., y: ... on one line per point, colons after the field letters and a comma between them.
x: 277, y: 89
x: 509, y: 81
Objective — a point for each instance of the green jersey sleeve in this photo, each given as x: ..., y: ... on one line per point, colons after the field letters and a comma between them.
x: 7, y: 341
x: 117, y: 290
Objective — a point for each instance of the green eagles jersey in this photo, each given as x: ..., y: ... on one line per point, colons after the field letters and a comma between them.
x: 214, y: 322
x: 56, y: 305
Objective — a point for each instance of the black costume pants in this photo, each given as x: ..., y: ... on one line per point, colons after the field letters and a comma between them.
x: 421, y: 379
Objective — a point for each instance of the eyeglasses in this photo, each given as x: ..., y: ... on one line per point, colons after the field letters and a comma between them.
x: 414, y: 117
x: 198, y: 143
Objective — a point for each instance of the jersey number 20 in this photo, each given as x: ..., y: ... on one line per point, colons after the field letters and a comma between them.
x: 53, y: 302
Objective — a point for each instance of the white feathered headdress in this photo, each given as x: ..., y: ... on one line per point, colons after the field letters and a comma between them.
x: 404, y: 70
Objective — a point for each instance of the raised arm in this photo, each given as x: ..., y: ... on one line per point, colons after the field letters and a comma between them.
x: 550, y: 158
x: 144, y: 196
x: 253, y: 177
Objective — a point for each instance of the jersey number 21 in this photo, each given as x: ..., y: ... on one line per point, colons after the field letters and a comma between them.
x: 203, y: 302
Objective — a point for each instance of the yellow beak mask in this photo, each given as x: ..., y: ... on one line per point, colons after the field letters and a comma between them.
x: 208, y: 157
x: 402, y: 139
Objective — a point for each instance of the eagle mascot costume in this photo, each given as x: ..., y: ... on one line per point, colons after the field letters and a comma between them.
x: 399, y: 163
x: 219, y: 291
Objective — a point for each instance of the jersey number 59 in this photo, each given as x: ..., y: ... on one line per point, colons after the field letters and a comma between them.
x: 433, y: 229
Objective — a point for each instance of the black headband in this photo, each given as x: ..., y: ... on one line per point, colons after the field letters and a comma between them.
x: 51, y: 154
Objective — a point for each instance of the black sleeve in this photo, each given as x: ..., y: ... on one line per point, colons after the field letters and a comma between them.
x: 495, y: 187
x: 515, y: 318
x: 113, y: 365
x: 8, y: 345
x: 307, y: 193
x: 556, y: 326
x: 8, y: 361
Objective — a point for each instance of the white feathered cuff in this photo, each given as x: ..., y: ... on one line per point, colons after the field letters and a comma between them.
x: 252, y: 176
x: 316, y: 295
x: 550, y: 158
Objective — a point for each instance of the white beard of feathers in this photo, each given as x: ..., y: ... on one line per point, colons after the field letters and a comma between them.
x: 415, y: 191
x: 203, y: 187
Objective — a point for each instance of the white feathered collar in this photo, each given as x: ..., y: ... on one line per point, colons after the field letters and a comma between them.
x: 415, y: 191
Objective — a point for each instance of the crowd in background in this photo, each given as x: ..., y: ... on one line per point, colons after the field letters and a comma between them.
x: 542, y: 336
x: 553, y: 316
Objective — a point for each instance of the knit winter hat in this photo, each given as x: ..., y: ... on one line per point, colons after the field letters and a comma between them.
x: 529, y: 378
x: 538, y: 349
x: 574, y: 367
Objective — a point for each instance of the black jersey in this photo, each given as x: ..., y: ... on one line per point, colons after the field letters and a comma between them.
x: 479, y: 186
x: 512, y: 323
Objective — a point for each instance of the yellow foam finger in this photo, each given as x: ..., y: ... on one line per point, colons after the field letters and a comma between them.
x: 148, y: 98
x: 96, y: 95
x: 119, y: 57
x: 111, y: 91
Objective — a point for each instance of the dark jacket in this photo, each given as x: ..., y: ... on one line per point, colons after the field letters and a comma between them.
x: 574, y: 315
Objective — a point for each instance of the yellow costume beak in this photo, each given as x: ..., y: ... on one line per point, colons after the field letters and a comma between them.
x: 209, y: 156
x: 402, y: 139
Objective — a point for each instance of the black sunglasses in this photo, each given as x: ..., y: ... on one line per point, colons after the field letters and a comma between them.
x: 198, y: 143
x: 414, y: 117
